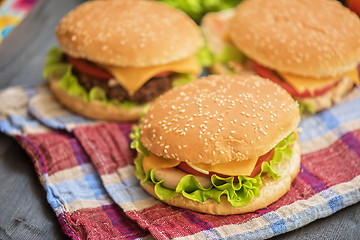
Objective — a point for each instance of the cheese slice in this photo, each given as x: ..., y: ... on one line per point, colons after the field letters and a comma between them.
x: 153, y: 161
x: 303, y: 84
x: 354, y: 75
x: 133, y: 78
x: 231, y: 168
x: 234, y: 168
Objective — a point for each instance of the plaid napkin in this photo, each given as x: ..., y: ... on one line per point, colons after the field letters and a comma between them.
x: 87, y: 171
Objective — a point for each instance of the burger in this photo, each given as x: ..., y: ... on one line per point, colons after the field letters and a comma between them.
x: 116, y: 56
x: 310, y: 48
x: 225, y: 144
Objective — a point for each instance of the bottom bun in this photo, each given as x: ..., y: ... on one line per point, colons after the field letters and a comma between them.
x: 94, y: 109
x: 270, y: 191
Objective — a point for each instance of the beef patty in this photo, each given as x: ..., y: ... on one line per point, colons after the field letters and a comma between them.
x: 150, y: 90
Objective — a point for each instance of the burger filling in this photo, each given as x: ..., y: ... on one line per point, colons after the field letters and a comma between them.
x: 239, y: 181
x: 114, y: 91
x: 310, y: 91
x: 118, y: 85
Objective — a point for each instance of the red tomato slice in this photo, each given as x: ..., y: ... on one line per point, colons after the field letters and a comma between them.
x: 88, y: 68
x: 97, y: 72
x: 354, y: 5
x: 270, y: 74
x: 265, y: 158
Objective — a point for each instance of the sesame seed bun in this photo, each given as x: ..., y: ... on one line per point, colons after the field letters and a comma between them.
x: 218, y: 118
x: 94, y: 109
x: 302, y: 37
x: 270, y: 191
x: 128, y: 33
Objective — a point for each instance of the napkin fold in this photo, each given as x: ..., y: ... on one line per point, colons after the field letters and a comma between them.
x: 87, y: 171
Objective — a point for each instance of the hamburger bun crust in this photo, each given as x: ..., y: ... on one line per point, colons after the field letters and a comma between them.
x: 218, y: 119
x: 128, y: 33
x: 270, y: 191
x: 302, y: 37
x: 94, y: 109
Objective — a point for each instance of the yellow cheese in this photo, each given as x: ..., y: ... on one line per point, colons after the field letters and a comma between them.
x: 302, y: 84
x: 231, y: 168
x: 235, y: 168
x: 153, y: 161
x: 133, y: 78
x: 354, y: 75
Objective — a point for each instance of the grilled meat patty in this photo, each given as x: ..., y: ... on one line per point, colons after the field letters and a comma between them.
x: 150, y: 90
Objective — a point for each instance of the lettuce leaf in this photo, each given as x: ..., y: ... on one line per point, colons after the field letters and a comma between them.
x: 54, y: 64
x: 135, y: 136
x: 230, y: 53
x: 196, y: 9
x: 182, y: 79
x: 205, y: 56
x: 238, y: 193
x: 306, y: 107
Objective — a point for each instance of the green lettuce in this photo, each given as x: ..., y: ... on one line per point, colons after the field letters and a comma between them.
x: 230, y: 53
x: 238, y: 193
x: 196, y: 9
x: 306, y: 107
x: 205, y: 56
x: 135, y: 136
x: 182, y: 79
x: 70, y: 83
x: 54, y: 64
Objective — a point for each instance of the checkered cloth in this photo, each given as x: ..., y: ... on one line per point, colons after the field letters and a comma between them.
x: 87, y: 171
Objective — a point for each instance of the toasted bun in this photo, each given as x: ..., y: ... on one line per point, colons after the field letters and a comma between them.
x: 218, y: 118
x: 94, y: 109
x: 304, y: 37
x: 270, y: 191
x: 128, y: 33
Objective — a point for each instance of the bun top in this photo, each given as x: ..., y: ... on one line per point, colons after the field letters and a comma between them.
x: 128, y: 33
x: 303, y: 37
x: 218, y: 119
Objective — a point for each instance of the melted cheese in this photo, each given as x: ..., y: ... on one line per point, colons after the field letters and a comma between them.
x: 303, y: 84
x: 153, y: 161
x: 354, y: 75
x: 133, y: 78
x: 232, y: 168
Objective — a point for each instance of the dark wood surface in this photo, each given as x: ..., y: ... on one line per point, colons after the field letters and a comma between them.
x: 24, y: 211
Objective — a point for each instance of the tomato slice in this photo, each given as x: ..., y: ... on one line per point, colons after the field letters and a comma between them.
x: 354, y: 5
x: 264, y: 158
x: 88, y: 68
x: 270, y: 74
x: 97, y: 72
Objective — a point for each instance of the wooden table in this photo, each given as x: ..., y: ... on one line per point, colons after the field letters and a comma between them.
x: 24, y: 211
